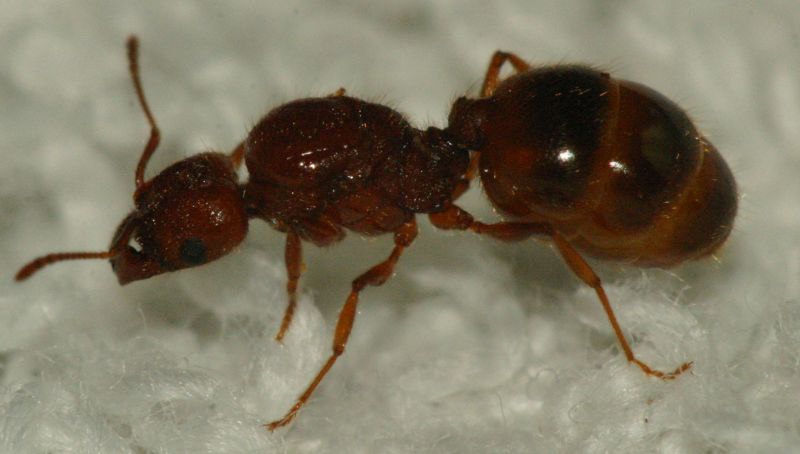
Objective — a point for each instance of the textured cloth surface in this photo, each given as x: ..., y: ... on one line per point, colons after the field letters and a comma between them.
x: 473, y: 346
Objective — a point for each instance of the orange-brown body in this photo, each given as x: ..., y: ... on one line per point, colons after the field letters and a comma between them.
x: 568, y: 153
x: 320, y: 165
x: 615, y: 167
x: 189, y: 214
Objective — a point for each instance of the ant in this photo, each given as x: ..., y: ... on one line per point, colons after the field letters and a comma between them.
x: 541, y: 140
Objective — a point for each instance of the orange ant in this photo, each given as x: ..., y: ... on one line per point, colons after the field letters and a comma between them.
x: 610, y: 167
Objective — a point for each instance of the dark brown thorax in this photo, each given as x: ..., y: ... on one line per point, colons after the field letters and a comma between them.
x: 320, y: 165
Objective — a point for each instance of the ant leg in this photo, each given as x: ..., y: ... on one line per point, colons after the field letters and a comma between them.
x: 493, y: 71
x: 490, y: 82
x: 294, y: 268
x: 340, y: 92
x: 463, y: 184
x: 155, y: 134
x: 375, y: 276
x: 458, y: 219
x: 472, y: 170
x: 237, y: 155
x: 585, y: 273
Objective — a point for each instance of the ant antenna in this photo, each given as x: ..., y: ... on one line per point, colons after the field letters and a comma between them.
x: 41, y: 262
x: 155, y: 134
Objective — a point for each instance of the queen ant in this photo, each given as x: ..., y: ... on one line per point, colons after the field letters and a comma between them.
x: 608, y: 167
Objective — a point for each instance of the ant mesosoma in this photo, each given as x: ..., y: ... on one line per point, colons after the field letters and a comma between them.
x: 610, y: 167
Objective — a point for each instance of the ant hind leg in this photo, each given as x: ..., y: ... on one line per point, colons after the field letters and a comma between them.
x: 584, y: 272
x: 237, y: 155
x: 492, y: 77
x: 455, y: 218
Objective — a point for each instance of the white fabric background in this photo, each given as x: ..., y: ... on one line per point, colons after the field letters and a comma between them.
x: 474, y: 346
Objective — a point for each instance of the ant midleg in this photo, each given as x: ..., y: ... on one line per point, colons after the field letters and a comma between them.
x: 294, y: 268
x: 375, y: 276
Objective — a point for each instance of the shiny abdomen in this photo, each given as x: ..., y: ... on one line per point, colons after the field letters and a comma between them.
x: 616, y: 167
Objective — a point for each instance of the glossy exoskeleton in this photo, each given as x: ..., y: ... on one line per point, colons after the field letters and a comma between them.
x: 599, y: 165
x: 607, y: 167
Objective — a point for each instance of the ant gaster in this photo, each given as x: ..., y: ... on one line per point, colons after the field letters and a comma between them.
x: 608, y: 166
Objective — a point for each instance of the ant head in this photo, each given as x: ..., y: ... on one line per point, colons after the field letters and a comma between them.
x: 190, y: 214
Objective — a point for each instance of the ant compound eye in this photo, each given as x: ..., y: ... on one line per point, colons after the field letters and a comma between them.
x: 193, y: 251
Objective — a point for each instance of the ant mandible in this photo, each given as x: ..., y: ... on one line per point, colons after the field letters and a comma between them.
x: 320, y: 165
